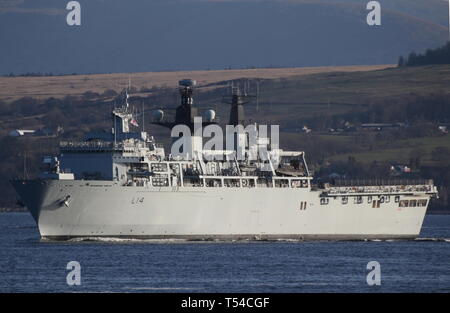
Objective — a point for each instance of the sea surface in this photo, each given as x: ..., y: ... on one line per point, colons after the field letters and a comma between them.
x: 28, y: 264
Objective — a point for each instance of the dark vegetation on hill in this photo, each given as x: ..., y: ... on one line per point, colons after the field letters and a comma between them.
x: 439, y: 55
x: 419, y: 97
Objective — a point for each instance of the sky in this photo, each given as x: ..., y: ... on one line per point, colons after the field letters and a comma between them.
x: 160, y: 35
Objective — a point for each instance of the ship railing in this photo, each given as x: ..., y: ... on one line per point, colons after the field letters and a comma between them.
x: 380, y: 182
x: 100, y: 145
x: 85, y: 145
x: 380, y: 189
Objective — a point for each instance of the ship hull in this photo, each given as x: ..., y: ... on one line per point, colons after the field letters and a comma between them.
x: 106, y: 209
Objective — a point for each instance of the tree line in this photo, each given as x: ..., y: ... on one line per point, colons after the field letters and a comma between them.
x: 439, y: 55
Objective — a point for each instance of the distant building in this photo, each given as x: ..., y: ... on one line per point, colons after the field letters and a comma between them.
x: 335, y: 130
x: 400, y: 169
x: 350, y: 128
x: 306, y: 130
x: 343, y: 126
x: 40, y: 132
x: 443, y: 129
x: 382, y: 126
x: 334, y: 176
x: 21, y: 132
x: 46, y: 131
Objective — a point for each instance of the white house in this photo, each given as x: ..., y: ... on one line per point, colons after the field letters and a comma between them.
x: 21, y: 132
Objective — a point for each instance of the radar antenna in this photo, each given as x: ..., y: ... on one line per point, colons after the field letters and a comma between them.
x: 237, y: 99
x: 185, y: 112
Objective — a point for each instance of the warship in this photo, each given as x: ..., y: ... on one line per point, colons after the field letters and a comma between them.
x: 122, y: 184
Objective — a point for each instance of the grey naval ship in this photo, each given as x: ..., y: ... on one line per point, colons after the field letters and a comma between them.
x: 122, y: 184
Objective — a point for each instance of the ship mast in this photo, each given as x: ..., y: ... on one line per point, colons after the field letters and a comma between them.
x: 237, y: 99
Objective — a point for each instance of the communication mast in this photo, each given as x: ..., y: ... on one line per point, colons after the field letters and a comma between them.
x: 185, y: 112
x: 237, y: 99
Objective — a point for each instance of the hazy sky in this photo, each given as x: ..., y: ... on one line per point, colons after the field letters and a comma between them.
x: 142, y: 35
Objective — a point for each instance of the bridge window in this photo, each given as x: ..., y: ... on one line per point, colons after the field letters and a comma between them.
x: 422, y: 202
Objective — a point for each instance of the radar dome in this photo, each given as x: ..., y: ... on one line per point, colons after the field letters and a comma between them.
x: 187, y: 83
x: 209, y: 115
x: 158, y: 115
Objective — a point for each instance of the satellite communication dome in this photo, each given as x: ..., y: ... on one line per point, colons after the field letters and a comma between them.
x: 158, y: 115
x: 187, y: 82
x: 209, y: 115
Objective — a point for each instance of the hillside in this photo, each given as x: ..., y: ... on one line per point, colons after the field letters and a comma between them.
x: 432, y: 11
x: 198, y: 35
x: 316, y: 97
x: 12, y: 88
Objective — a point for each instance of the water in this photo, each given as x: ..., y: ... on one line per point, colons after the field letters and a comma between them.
x: 28, y: 264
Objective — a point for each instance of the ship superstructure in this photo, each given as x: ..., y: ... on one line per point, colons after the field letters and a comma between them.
x: 123, y: 184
